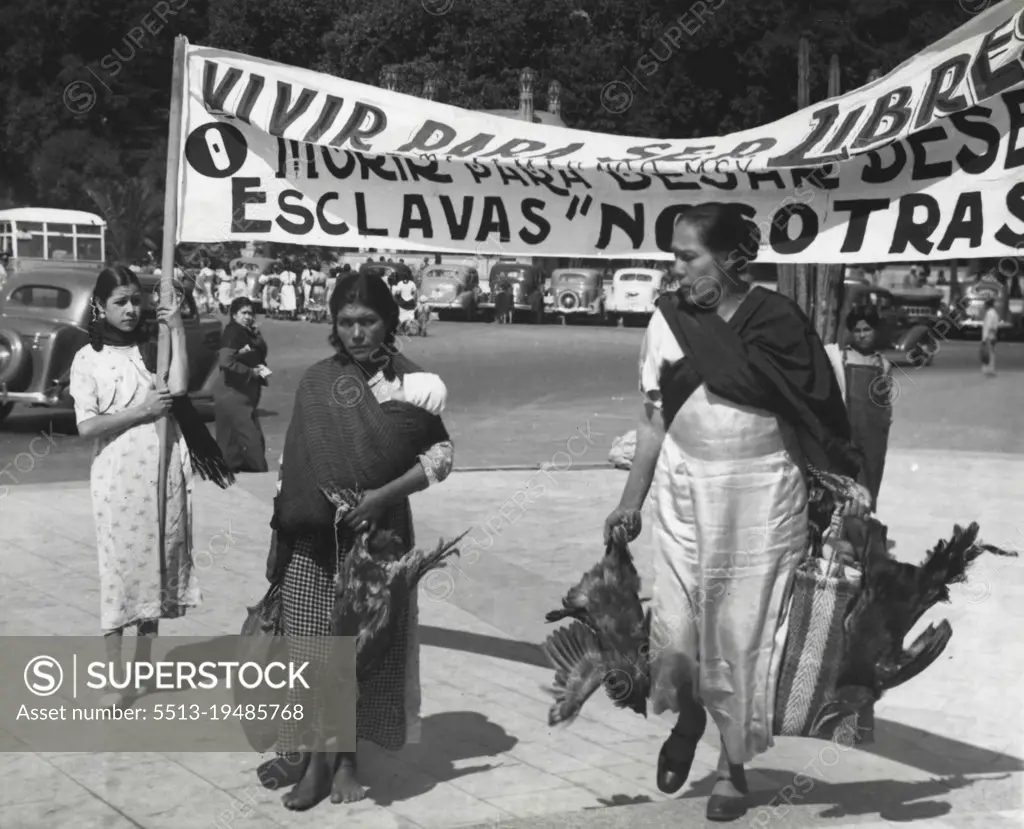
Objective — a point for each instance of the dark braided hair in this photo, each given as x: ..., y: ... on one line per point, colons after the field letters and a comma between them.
x: 367, y: 289
x: 207, y: 458
x: 109, y: 280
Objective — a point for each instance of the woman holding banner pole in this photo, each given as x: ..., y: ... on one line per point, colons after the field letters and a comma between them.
x: 738, y: 396
x: 118, y: 402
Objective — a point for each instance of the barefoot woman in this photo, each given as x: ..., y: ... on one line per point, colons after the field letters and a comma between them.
x: 340, y: 439
x: 739, y: 393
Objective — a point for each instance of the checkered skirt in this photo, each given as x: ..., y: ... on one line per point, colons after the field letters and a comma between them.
x: 387, y: 712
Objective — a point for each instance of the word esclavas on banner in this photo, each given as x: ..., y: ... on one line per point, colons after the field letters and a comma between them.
x: 926, y: 162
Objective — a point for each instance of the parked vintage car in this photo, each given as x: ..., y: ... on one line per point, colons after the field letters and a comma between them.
x: 970, y: 310
x: 578, y: 294
x: 525, y: 280
x: 452, y: 291
x: 44, y: 318
x: 634, y: 293
x: 908, y: 322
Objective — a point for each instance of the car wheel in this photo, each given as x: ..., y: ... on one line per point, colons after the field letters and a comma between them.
x: 5, y: 409
x: 14, y: 359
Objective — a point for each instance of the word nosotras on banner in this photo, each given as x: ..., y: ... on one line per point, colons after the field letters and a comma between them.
x: 969, y: 214
x: 921, y: 163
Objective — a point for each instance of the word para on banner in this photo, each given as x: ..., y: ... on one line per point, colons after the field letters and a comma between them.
x: 315, y: 108
x: 265, y: 167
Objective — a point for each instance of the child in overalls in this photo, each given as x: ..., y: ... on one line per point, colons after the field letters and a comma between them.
x: 870, y: 392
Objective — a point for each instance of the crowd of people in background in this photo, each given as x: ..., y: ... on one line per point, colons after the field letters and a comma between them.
x: 293, y: 288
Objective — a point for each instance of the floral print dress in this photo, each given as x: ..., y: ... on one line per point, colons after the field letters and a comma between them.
x: 123, y: 482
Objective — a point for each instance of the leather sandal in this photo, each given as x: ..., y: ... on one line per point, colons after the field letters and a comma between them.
x: 676, y: 756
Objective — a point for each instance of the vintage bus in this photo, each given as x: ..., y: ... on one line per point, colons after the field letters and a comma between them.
x: 36, y: 237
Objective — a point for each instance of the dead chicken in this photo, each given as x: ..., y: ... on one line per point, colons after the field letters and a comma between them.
x: 607, y: 643
x: 892, y: 597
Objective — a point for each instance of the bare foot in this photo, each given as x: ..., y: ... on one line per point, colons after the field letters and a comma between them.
x: 346, y: 788
x: 314, y: 786
x: 283, y: 770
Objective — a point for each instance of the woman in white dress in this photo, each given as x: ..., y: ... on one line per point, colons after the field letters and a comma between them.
x: 738, y: 396
x: 239, y: 282
x: 289, y: 301
x: 204, y: 289
x: 225, y: 289
x: 118, y: 401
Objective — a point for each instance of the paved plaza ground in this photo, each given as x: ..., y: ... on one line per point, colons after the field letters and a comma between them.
x: 949, y: 748
x: 515, y: 390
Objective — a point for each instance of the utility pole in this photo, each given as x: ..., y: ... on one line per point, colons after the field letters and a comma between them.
x: 829, y: 283
x: 817, y: 289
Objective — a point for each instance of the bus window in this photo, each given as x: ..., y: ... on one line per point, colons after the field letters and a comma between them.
x: 60, y: 241
x: 40, y: 233
x: 30, y: 240
x: 90, y: 250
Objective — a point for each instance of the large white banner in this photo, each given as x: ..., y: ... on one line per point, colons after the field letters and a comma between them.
x: 924, y: 163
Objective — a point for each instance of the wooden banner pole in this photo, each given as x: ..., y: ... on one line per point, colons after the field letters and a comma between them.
x: 829, y: 284
x: 163, y: 362
x: 793, y: 278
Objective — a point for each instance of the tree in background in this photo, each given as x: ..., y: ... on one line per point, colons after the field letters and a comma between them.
x: 687, y: 78
x: 133, y: 211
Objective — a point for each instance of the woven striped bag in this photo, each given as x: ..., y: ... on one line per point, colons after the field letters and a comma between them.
x: 822, y: 591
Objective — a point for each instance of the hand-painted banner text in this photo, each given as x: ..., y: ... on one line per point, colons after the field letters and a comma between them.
x: 276, y: 153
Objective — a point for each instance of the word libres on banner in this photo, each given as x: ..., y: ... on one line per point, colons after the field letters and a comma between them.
x: 927, y: 162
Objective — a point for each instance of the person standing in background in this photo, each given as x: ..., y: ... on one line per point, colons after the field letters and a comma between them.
x: 865, y: 377
x: 289, y: 302
x: 332, y: 280
x: 239, y: 286
x: 989, y: 335
x: 252, y: 286
x: 236, y: 397
x: 310, y: 276
x: 224, y: 288
x: 204, y: 288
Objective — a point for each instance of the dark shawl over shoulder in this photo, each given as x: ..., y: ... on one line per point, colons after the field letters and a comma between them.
x: 236, y: 337
x: 236, y: 367
x: 767, y: 356
x: 340, y: 438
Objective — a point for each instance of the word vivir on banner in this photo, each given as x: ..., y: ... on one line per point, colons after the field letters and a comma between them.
x: 190, y: 695
x: 927, y: 161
